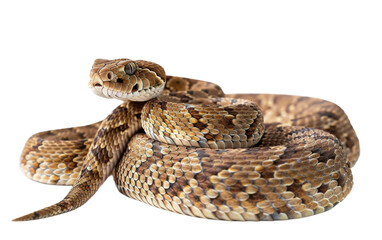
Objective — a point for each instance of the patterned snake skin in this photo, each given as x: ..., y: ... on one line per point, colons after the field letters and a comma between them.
x: 239, y: 157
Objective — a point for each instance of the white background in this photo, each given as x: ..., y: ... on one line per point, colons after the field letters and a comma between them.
x: 326, y: 49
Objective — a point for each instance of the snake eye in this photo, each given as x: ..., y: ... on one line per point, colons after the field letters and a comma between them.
x: 130, y: 68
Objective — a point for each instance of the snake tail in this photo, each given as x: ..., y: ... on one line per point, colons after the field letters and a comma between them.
x: 116, y: 130
x: 78, y: 196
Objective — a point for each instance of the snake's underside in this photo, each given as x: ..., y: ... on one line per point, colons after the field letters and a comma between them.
x: 199, y: 160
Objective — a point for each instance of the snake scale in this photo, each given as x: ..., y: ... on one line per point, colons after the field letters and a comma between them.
x: 182, y: 145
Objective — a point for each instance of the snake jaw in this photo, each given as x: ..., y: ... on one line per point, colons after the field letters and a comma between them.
x: 143, y: 94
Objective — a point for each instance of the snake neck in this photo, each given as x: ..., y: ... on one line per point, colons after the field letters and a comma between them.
x: 106, y: 150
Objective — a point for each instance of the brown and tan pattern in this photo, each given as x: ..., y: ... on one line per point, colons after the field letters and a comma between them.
x: 309, y: 112
x: 202, y: 154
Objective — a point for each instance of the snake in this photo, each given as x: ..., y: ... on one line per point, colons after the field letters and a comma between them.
x: 185, y: 146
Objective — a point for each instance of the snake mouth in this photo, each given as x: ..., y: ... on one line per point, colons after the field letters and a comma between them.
x: 137, y: 92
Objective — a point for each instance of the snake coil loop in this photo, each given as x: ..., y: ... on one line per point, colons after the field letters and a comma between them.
x: 233, y: 157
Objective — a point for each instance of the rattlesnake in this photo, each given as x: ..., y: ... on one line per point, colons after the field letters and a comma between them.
x: 202, y: 154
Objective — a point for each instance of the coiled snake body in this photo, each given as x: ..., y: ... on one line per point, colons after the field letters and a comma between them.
x: 202, y: 154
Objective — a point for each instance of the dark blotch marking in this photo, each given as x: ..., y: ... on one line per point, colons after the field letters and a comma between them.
x: 296, y: 188
x: 329, y: 115
x: 195, y: 114
x: 323, y: 188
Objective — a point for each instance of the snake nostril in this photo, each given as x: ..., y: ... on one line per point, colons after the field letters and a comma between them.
x: 110, y: 75
x: 97, y: 85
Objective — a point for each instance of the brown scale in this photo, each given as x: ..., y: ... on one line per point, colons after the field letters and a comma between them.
x: 292, y: 172
x: 241, y: 195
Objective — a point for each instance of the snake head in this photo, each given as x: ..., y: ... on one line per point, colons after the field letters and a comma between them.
x: 126, y: 79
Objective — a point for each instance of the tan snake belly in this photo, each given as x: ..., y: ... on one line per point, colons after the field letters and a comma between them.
x: 300, y: 167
